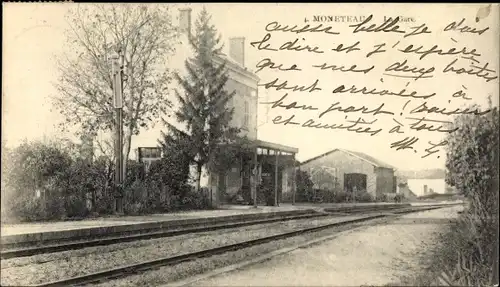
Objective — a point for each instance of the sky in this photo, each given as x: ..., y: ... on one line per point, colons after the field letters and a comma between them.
x: 34, y: 33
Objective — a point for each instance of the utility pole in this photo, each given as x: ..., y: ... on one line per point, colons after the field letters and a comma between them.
x: 255, y: 172
x: 276, y: 178
x: 294, y: 181
x: 118, y: 105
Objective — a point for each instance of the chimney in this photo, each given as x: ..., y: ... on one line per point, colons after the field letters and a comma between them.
x: 237, y: 49
x: 185, y: 20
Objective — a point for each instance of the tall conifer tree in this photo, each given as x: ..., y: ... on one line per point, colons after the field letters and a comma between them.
x: 203, y: 102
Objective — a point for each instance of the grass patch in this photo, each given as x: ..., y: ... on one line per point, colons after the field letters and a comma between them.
x: 462, y: 256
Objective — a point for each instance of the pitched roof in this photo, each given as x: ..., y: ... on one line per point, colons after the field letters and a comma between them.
x: 360, y: 155
x: 235, y: 66
x: 232, y: 64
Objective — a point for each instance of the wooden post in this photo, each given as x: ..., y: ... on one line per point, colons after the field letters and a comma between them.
x: 255, y: 177
x: 118, y: 147
x: 276, y: 179
x: 119, y: 160
x: 242, y: 172
x: 294, y: 181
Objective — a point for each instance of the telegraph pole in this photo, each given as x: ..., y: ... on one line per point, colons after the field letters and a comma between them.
x: 294, y: 182
x: 118, y: 105
x: 276, y: 178
x: 256, y: 177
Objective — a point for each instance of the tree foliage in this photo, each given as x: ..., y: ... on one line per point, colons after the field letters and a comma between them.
x: 472, y: 163
x: 304, y: 186
x: 472, y: 160
x: 324, y: 178
x: 31, y: 168
x: 145, y: 36
x: 49, y: 180
x: 203, y: 102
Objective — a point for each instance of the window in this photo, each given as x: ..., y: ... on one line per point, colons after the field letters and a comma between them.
x: 148, y: 155
x: 246, y: 118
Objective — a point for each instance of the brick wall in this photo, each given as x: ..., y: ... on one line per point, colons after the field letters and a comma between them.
x: 346, y: 163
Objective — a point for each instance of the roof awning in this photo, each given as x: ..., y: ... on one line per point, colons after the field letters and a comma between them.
x: 275, y: 146
x: 253, y: 144
x: 282, y: 160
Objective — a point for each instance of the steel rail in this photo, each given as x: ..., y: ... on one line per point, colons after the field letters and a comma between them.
x: 8, y: 253
x: 65, y: 246
x: 110, y: 274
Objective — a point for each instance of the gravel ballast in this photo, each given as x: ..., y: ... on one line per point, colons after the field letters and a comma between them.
x: 50, y: 267
x: 373, y: 256
x: 168, y: 274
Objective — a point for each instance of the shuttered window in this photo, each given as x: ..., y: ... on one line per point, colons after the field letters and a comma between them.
x: 246, y: 118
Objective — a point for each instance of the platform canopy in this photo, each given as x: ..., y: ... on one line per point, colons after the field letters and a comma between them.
x: 264, y: 147
x: 274, y: 146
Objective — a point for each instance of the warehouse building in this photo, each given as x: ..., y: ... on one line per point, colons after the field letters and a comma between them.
x: 352, y: 171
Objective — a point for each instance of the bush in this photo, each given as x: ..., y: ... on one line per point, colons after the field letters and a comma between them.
x: 472, y: 168
x: 468, y: 251
x: 135, y: 198
x: 83, y: 181
x: 304, y: 187
x: 265, y: 194
x: 459, y: 257
x: 399, y: 198
x: 194, y: 200
x: 135, y: 172
x: 341, y: 196
x: 43, y: 181
x: 26, y: 169
x: 364, y: 196
x: 327, y: 196
x: 76, y: 206
x: 381, y: 198
x: 102, y: 172
x: 171, y: 172
x: 27, y: 209
x: 472, y: 248
x: 164, y: 188
x: 334, y: 196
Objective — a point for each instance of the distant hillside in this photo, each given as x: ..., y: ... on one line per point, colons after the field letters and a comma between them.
x: 435, y: 173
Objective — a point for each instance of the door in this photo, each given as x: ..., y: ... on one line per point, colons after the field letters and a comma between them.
x: 280, y: 181
x: 269, y: 180
x: 394, y: 184
x: 354, y: 181
x: 222, y: 186
x: 246, y: 188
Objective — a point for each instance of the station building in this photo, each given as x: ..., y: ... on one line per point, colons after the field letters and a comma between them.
x: 260, y: 161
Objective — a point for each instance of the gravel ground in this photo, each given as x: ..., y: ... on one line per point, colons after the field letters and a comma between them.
x: 378, y: 255
x: 164, y: 275
x: 48, y: 267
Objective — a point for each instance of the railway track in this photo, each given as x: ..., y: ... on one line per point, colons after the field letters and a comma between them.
x: 111, y: 274
x: 13, y: 252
